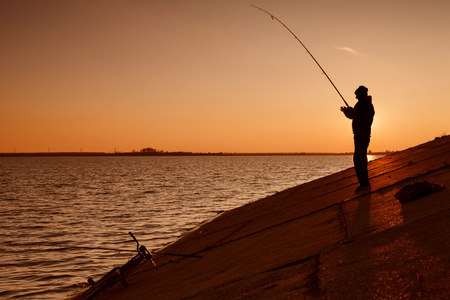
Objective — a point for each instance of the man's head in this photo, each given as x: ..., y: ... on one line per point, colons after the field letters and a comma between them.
x: 361, y: 92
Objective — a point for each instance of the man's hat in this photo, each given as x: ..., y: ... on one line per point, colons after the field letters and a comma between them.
x: 362, y: 90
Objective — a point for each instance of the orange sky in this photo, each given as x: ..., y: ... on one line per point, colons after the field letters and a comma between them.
x: 210, y: 75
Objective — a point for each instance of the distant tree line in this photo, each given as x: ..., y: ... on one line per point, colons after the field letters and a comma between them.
x: 150, y: 150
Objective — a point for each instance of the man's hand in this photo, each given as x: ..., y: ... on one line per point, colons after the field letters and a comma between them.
x: 348, y: 111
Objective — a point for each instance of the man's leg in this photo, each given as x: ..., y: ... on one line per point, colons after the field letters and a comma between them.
x: 360, y: 160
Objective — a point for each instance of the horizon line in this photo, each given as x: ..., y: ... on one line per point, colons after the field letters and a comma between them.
x: 178, y: 153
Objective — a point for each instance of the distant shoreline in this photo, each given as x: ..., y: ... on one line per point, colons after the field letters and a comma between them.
x: 48, y: 154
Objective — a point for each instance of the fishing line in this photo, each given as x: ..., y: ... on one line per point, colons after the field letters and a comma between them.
x: 324, y: 73
x: 89, y: 248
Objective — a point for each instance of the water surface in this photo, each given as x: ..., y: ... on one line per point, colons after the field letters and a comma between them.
x: 57, y: 212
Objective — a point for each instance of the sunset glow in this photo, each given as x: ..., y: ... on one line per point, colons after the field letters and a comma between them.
x: 219, y: 76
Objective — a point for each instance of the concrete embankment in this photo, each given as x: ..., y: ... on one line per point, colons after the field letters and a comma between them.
x: 319, y: 240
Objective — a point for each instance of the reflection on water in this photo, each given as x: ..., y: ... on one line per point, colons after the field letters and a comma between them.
x: 56, y: 211
x: 371, y: 157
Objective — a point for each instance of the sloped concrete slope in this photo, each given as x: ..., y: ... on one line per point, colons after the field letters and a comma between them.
x: 319, y: 240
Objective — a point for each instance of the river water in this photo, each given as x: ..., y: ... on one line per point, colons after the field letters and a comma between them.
x: 64, y: 219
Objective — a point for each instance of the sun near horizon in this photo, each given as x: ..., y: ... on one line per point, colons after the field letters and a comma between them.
x: 203, y: 76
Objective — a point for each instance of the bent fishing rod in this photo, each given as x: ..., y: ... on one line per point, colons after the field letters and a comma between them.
x: 324, y: 73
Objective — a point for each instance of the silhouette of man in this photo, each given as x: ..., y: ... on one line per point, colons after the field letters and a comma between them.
x: 362, y: 116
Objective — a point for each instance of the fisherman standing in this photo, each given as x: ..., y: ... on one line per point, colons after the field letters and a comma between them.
x: 362, y: 116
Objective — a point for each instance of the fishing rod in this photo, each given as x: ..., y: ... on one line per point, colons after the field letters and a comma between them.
x: 121, y: 274
x: 163, y: 253
x: 325, y: 73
